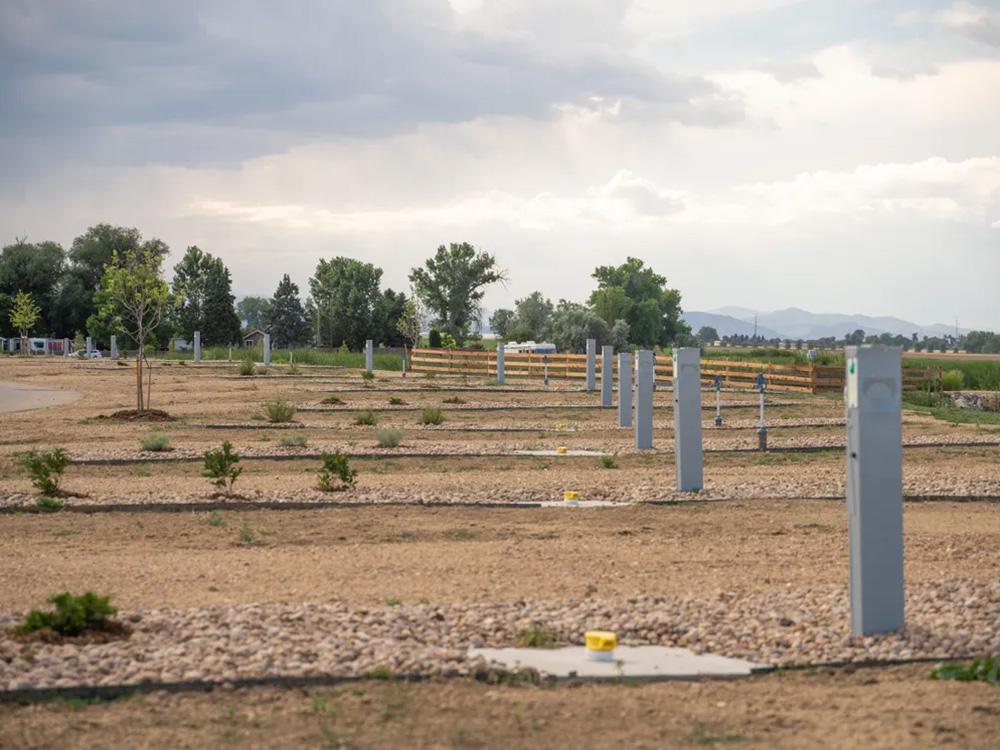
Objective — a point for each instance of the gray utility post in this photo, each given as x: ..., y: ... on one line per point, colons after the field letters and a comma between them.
x: 624, y: 389
x: 267, y: 350
x: 545, y: 362
x: 718, y: 401
x: 761, y: 386
x: 687, y: 418
x: 607, y: 375
x: 875, y: 487
x: 369, y: 355
x: 114, y: 346
x: 644, y: 375
x: 591, y: 364
x: 65, y: 347
x: 501, y: 373
x: 197, y: 346
x: 90, y: 345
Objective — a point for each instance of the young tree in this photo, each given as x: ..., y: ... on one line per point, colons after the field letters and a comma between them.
x: 408, y: 323
x: 452, y: 285
x: 135, y: 298
x: 344, y: 293
x: 23, y: 317
x: 285, y: 318
x: 253, y: 311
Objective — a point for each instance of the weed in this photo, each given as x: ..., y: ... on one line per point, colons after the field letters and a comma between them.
x: 294, y: 370
x: 380, y: 673
x: 336, y: 467
x: 701, y: 738
x: 214, y: 519
x: 608, y: 462
x: 431, y: 416
x: 320, y: 704
x: 142, y: 471
x: 247, y: 368
x: 293, y: 441
x: 222, y: 467
x: 423, y: 600
x: 396, y: 401
x: 393, y: 602
x: 366, y: 417
x: 952, y: 380
x: 985, y: 669
x: 246, y: 537
x: 390, y: 437
x: 453, y: 400
x: 48, y: 504
x: 155, y: 442
x: 536, y: 636
x: 121, y: 364
x: 72, y: 615
x: 45, y: 468
x: 333, y: 401
x: 279, y: 411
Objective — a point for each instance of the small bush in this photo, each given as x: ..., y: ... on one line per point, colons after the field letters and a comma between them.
x: 336, y: 474
x: 367, y: 376
x: 120, y: 363
x: 434, y: 339
x: 247, y: 368
x: 215, y: 519
x: 293, y: 369
x: 49, y: 504
x: 222, y: 467
x: 156, y: 442
x: 366, y: 418
x: 952, y: 380
x: 536, y: 636
x: 333, y: 400
x: 454, y: 400
x: 431, y: 416
x: 279, y: 411
x: 72, y: 615
x: 389, y: 437
x: 45, y: 468
x: 396, y: 401
x: 985, y: 669
x: 608, y: 462
x: 293, y: 441
x: 246, y: 537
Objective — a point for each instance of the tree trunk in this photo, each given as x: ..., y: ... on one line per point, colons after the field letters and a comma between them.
x: 138, y: 381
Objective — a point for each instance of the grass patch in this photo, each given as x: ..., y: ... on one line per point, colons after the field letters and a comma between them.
x: 985, y: 669
x: 333, y: 401
x: 156, y: 442
x: 431, y: 416
x: 608, y: 462
x: 279, y: 411
x: 49, y: 504
x: 215, y: 519
x: 536, y: 636
x: 453, y: 400
x: 366, y: 417
x: 396, y: 401
x: 390, y: 437
x: 293, y: 441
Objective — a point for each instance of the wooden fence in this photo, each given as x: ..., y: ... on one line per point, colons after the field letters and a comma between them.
x: 733, y: 374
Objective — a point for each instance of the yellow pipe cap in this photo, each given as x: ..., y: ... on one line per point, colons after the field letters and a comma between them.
x: 561, y: 449
x: 571, y: 495
x: 600, y: 640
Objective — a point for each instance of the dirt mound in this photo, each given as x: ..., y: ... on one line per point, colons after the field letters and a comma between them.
x: 134, y: 415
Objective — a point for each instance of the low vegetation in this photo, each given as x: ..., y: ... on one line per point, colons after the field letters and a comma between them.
x: 45, y: 469
x: 336, y: 474
x: 247, y: 368
x: 396, y: 401
x: 608, y: 462
x: 536, y: 636
x: 222, y: 467
x: 155, y: 442
x: 431, y: 416
x: 366, y: 417
x: 279, y: 411
x: 48, y: 504
x: 293, y: 441
x: 952, y: 380
x: 72, y: 616
x: 333, y: 401
x: 984, y: 669
x: 389, y: 437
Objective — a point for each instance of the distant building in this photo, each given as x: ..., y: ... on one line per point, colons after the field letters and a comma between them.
x: 254, y: 338
x: 530, y: 347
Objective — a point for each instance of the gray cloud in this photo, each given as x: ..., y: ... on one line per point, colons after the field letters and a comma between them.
x: 194, y: 83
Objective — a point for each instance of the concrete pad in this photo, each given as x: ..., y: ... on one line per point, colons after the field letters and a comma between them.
x: 657, y: 662
x: 22, y: 397
x: 557, y: 453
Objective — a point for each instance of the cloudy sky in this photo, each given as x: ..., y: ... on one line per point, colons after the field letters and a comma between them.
x: 837, y: 156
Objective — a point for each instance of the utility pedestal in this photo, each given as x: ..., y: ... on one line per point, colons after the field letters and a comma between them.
x: 624, y: 389
x: 267, y: 350
x: 369, y: 355
x: 761, y: 386
x: 501, y: 367
x: 114, y: 346
x: 607, y: 375
x: 591, y: 364
x: 197, y: 346
x: 687, y: 419
x: 644, y: 399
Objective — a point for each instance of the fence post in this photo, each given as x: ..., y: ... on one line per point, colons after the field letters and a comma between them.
x: 624, y: 389
x: 114, y: 346
x: 90, y: 345
x: 875, y: 487
x: 591, y: 364
x: 607, y: 375
x: 197, y: 346
x: 267, y: 350
x: 65, y: 347
x: 501, y: 366
x: 644, y: 399
x: 687, y: 418
x: 369, y: 355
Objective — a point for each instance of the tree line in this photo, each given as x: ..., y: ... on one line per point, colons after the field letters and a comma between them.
x: 975, y: 342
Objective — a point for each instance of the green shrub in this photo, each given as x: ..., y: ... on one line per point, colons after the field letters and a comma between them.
x: 366, y: 417
x: 985, y: 669
x: 293, y: 369
x: 952, y: 380
x: 279, y: 411
x: 45, y: 468
x: 246, y: 537
x: 293, y: 441
x: 247, y: 368
x: 334, y: 400
x: 396, y: 401
x: 49, y: 504
x: 390, y: 437
x: 434, y: 339
x: 336, y: 474
x: 72, y: 615
x: 454, y: 400
x: 608, y: 462
x: 536, y: 636
x: 156, y: 442
x: 367, y: 376
x: 431, y: 416
x: 222, y: 467
x: 120, y: 363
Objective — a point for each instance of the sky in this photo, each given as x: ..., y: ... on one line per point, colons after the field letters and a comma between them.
x: 835, y: 156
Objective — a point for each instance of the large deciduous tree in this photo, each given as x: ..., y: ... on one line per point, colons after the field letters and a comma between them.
x: 534, y: 318
x: 285, y: 318
x: 34, y: 268
x: 134, y: 298
x: 253, y: 311
x: 388, y: 310
x: 636, y: 294
x: 452, y: 285
x: 344, y: 293
x: 573, y: 324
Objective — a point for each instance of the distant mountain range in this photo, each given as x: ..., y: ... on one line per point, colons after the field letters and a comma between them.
x: 794, y: 323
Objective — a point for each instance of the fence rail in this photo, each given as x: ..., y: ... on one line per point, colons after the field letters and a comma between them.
x: 733, y: 374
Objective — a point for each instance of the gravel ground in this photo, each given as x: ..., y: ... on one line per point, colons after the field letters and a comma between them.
x: 954, y: 618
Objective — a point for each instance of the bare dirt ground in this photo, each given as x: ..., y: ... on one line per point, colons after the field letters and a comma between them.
x: 752, y: 531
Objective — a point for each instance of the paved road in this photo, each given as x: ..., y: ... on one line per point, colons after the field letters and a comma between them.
x: 22, y: 397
